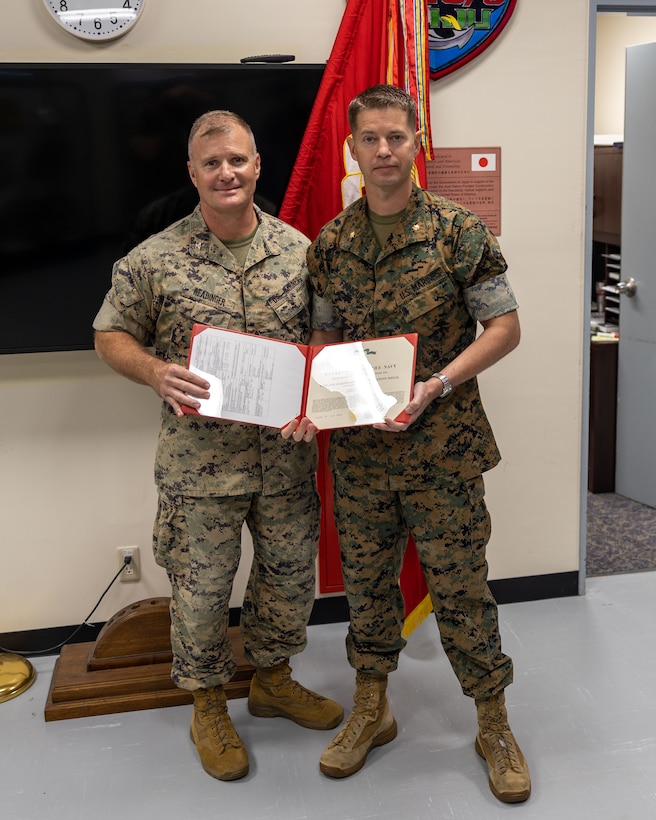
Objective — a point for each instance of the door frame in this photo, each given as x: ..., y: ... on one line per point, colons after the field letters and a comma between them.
x: 638, y: 6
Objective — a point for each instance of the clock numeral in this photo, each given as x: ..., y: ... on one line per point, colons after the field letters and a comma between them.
x: 113, y: 19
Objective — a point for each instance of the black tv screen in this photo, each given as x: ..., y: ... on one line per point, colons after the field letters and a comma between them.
x: 93, y: 159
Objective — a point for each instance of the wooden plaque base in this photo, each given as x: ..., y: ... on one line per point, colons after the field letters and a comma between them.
x: 128, y: 667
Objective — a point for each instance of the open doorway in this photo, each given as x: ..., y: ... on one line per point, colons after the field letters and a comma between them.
x: 619, y: 532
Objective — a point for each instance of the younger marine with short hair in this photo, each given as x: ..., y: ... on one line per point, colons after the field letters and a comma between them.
x: 402, y: 260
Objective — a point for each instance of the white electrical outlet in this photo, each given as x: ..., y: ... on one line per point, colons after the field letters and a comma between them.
x: 132, y: 571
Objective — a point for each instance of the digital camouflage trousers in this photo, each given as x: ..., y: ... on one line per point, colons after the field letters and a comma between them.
x: 451, y: 528
x: 198, y: 541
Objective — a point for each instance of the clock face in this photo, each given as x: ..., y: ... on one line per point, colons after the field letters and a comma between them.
x: 95, y: 19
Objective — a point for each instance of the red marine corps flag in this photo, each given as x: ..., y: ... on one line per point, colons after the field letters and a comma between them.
x: 379, y: 41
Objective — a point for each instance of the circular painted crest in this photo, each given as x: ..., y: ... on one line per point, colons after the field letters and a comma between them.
x: 460, y: 31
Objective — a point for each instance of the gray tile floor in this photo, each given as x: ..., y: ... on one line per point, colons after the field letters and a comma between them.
x: 582, y: 706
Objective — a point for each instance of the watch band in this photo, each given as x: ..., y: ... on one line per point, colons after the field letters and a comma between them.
x: 447, y: 386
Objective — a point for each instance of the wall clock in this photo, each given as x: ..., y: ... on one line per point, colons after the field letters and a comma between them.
x: 95, y: 19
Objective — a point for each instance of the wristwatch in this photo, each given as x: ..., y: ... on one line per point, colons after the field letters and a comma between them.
x: 447, y: 386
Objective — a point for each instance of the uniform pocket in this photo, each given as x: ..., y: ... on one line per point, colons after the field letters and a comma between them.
x: 127, y: 292
x: 179, y: 315
x: 170, y: 535
x: 480, y: 517
x: 434, y: 293
x: 205, y: 309
x: 292, y: 307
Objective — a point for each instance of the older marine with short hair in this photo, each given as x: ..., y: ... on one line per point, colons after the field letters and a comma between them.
x: 231, y: 265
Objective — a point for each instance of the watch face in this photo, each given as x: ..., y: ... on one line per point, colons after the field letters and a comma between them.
x: 95, y: 19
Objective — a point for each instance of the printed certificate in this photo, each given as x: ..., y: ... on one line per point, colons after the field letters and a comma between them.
x: 258, y: 380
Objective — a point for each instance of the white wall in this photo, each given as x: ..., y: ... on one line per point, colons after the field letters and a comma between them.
x: 77, y: 442
x: 616, y: 31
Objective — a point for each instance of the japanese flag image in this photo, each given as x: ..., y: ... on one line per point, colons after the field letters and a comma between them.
x: 484, y: 162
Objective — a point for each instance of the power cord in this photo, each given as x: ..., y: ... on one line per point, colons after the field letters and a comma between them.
x: 127, y: 559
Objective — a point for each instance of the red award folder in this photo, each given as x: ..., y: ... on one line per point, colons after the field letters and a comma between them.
x: 258, y: 380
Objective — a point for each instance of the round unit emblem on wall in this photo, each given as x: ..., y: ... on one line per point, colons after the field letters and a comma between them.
x: 460, y: 31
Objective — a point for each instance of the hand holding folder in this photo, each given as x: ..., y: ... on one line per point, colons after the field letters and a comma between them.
x: 259, y: 380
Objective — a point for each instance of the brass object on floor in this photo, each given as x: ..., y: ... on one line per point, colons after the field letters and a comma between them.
x: 16, y: 675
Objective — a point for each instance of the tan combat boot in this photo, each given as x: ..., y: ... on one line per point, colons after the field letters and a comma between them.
x: 274, y: 693
x: 510, y: 780
x: 222, y: 753
x: 370, y: 724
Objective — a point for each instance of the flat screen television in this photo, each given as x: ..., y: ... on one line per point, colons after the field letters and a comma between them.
x: 93, y: 159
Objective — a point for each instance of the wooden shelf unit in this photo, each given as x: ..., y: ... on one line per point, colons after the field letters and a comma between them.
x: 607, y: 226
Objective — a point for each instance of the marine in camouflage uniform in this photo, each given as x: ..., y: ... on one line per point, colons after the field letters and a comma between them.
x: 402, y: 260
x: 213, y: 476
x: 439, y: 273
x: 159, y: 290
